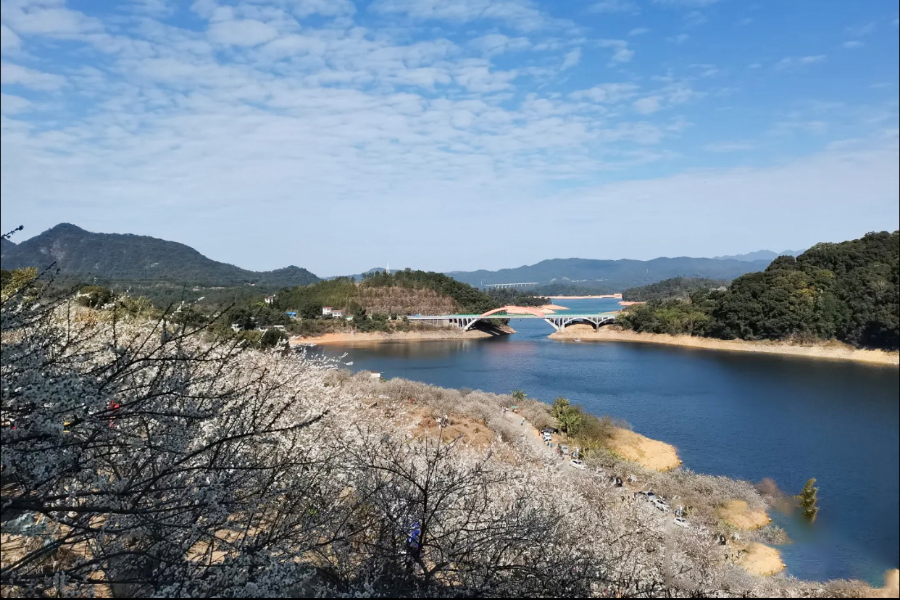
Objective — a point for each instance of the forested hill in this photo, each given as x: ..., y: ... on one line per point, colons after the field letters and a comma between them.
x: 677, y: 287
x: 111, y: 258
x: 401, y: 292
x: 608, y: 276
x: 848, y: 291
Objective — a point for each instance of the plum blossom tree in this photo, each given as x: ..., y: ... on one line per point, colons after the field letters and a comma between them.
x: 154, y: 464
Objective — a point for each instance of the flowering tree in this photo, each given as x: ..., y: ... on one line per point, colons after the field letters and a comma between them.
x: 152, y: 462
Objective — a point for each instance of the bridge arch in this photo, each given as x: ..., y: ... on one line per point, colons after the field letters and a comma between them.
x: 519, y: 309
x: 509, y: 310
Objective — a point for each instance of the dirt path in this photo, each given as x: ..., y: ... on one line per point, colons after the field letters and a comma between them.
x: 532, y: 436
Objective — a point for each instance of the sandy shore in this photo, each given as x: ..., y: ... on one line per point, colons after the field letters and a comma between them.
x: 619, y: 296
x: 829, y: 350
x: 629, y: 302
x: 650, y: 454
x: 402, y: 336
x: 552, y: 307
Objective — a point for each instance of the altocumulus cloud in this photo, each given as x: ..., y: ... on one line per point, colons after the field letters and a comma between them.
x: 378, y: 132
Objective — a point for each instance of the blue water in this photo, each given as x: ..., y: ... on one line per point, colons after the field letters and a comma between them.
x: 734, y: 414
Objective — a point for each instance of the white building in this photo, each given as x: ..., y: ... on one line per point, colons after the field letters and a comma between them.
x: 337, y: 313
x: 326, y: 311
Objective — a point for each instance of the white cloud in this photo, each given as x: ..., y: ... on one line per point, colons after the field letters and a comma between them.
x: 695, y: 18
x: 860, y: 30
x: 8, y: 39
x: 243, y: 32
x: 638, y: 31
x: 37, y: 80
x: 852, y: 44
x: 622, y: 53
x: 571, y: 59
x: 327, y: 8
x: 648, y: 105
x: 724, y: 147
x: 796, y: 62
x: 476, y: 76
x: 48, y: 18
x: 686, y: 3
x: 166, y: 129
x: 705, y: 70
x: 792, y: 127
x: 10, y: 104
x: 607, y: 93
x: 497, y: 43
x: 520, y: 14
x: 614, y: 6
x: 678, y: 39
x: 864, y: 177
x: 754, y: 66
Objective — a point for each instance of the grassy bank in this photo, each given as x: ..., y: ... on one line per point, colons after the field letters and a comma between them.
x: 828, y: 350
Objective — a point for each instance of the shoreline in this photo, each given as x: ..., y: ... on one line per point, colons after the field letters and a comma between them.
x: 397, y: 336
x: 618, y: 296
x: 828, y: 350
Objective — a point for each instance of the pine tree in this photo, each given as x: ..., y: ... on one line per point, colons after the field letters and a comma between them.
x: 808, y: 498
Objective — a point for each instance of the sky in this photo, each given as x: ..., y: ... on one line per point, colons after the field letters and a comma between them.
x: 452, y: 134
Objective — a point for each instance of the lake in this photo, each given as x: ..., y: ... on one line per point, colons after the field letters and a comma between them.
x: 736, y: 414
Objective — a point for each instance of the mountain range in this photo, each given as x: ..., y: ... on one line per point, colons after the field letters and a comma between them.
x: 119, y: 258
x: 107, y: 258
x: 610, y: 275
x: 760, y: 255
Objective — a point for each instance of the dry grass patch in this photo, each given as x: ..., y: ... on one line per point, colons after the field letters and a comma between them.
x: 470, y: 431
x: 761, y: 559
x: 650, y: 454
x: 738, y: 514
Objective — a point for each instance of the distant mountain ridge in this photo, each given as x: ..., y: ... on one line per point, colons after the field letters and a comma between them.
x: 760, y: 255
x: 612, y: 275
x: 118, y: 258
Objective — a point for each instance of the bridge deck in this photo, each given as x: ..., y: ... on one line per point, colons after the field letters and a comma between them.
x: 516, y: 316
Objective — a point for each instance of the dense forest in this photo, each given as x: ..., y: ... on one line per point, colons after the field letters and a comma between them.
x: 562, y: 288
x: 848, y: 291
x: 677, y: 287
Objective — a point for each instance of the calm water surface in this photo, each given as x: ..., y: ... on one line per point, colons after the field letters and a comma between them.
x: 733, y: 414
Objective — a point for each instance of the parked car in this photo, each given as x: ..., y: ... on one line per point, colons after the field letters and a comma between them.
x: 578, y: 464
x: 660, y: 505
x: 681, y: 522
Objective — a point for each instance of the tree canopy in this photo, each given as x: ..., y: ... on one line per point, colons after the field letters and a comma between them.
x: 847, y: 291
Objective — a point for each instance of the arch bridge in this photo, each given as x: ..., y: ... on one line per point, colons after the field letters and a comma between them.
x: 557, y: 321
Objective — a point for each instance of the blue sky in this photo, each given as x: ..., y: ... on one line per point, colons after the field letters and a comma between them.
x: 452, y: 134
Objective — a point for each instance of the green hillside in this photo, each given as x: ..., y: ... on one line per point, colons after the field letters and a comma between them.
x: 112, y: 258
x: 677, y: 287
x: 848, y: 291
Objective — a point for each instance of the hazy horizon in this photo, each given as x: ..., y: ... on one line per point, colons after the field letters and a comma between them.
x: 452, y: 135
